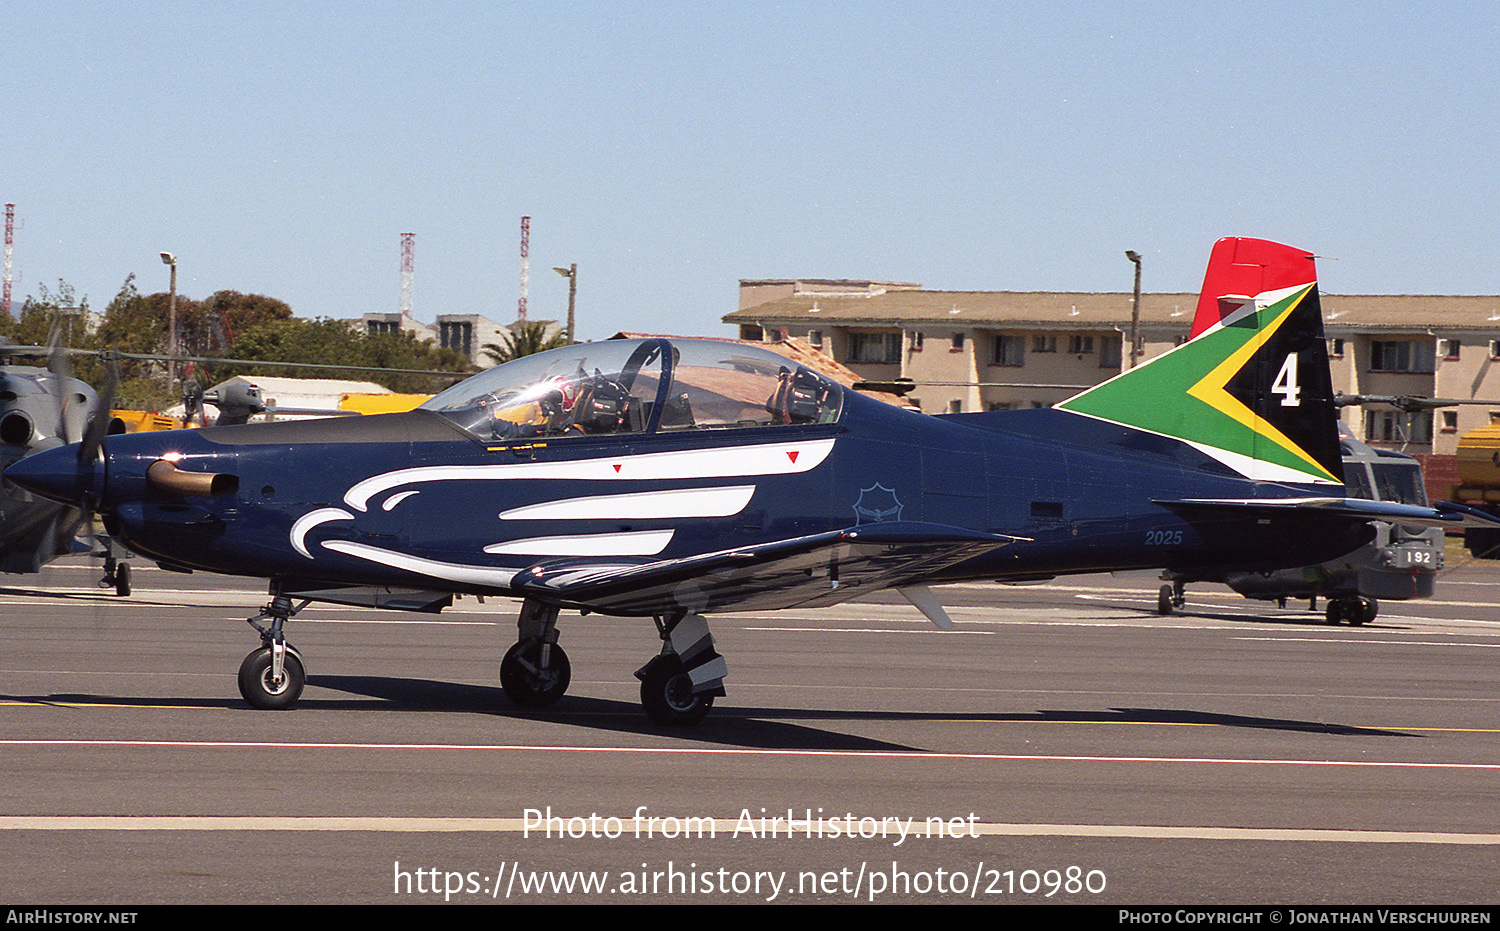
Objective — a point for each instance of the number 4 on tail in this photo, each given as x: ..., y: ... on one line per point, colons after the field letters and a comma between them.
x: 1286, y: 383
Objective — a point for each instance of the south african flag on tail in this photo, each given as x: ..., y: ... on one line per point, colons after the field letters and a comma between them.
x: 1252, y: 387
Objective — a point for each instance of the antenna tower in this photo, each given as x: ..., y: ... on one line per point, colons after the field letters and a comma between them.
x: 10, y: 240
x: 525, y: 265
x: 408, y: 249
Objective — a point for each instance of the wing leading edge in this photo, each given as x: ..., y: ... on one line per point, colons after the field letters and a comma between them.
x: 810, y: 571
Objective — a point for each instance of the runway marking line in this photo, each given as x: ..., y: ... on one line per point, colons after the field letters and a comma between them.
x: 283, y: 745
x: 260, y: 823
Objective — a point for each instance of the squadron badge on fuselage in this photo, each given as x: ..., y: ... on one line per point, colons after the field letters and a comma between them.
x: 877, y: 504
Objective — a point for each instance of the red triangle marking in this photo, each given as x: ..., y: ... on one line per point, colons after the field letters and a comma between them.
x: 792, y: 455
x: 617, y: 467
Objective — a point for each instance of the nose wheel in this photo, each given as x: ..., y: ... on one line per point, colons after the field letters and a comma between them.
x: 263, y: 687
x: 271, y: 678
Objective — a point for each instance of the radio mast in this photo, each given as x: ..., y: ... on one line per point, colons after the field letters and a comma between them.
x: 10, y: 240
x: 525, y: 265
x: 408, y: 249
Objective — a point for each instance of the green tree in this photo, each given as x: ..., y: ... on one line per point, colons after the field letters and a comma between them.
x: 332, y: 342
x: 213, y: 325
x: 47, y: 315
x: 523, y: 339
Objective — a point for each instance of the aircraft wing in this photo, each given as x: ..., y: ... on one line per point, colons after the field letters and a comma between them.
x: 814, y: 570
x: 1444, y: 514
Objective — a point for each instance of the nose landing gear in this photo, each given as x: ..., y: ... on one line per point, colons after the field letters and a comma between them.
x: 271, y: 678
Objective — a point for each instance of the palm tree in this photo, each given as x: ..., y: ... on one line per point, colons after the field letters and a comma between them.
x: 523, y: 339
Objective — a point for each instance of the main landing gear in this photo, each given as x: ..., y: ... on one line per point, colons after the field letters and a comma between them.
x: 535, y: 672
x: 1354, y: 610
x: 1170, y: 598
x: 272, y: 677
x: 678, y: 686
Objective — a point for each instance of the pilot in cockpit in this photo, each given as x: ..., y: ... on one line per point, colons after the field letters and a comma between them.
x: 544, y: 409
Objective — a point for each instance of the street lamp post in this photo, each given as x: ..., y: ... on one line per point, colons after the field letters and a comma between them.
x: 1135, y: 306
x: 570, y: 273
x: 168, y: 258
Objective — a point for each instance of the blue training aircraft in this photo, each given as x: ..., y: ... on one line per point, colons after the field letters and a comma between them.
x: 675, y: 478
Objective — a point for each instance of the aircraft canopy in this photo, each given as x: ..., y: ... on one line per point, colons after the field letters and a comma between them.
x: 635, y: 386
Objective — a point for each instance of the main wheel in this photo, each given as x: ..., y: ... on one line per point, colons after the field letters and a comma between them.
x: 1336, y: 611
x: 1165, y: 599
x: 261, y: 690
x: 667, y: 694
x: 1363, y: 611
x: 529, y: 685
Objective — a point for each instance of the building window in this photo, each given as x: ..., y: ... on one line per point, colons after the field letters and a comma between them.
x: 958, y: 343
x: 382, y: 328
x: 1450, y: 421
x: 1109, y: 354
x: 815, y: 338
x: 458, y: 336
x: 1335, y: 349
x: 999, y: 406
x: 1081, y: 345
x: 955, y: 407
x: 1495, y: 349
x: 1009, y: 350
x: 751, y: 333
x: 1400, y: 355
x: 875, y: 348
x: 916, y: 341
x: 1398, y: 427
x: 1449, y: 349
x: 1044, y: 343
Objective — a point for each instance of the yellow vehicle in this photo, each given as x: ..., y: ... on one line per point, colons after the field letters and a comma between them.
x: 1479, y: 483
x: 145, y: 421
x: 381, y: 403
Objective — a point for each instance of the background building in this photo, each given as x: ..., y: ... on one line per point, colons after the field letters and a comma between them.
x: 464, y: 333
x: 994, y: 350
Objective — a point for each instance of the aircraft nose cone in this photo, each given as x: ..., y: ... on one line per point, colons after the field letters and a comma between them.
x: 57, y: 474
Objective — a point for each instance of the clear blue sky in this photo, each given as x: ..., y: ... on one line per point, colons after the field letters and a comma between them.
x: 672, y: 148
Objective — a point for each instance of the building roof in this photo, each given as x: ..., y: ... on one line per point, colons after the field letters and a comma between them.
x: 1082, y: 310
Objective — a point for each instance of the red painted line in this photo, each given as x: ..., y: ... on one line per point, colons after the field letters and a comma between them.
x: 730, y: 751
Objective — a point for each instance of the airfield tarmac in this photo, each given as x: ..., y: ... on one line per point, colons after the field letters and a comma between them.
x: 1063, y: 744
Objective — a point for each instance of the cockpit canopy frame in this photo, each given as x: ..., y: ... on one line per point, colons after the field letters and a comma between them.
x: 623, y: 387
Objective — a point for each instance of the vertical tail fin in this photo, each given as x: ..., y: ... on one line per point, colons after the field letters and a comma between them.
x: 1239, y: 268
x: 1251, y: 388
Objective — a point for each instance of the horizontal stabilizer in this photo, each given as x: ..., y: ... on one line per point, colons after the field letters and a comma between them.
x: 815, y: 570
x: 1444, y: 514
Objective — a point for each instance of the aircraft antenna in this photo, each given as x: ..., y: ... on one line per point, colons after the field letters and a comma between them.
x: 10, y: 240
x: 408, y: 250
x: 525, y: 265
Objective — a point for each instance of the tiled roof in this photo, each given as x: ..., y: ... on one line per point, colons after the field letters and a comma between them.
x: 1030, y: 309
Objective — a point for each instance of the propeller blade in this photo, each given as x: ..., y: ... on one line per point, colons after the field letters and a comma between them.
x: 98, y: 424
x: 61, y: 366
